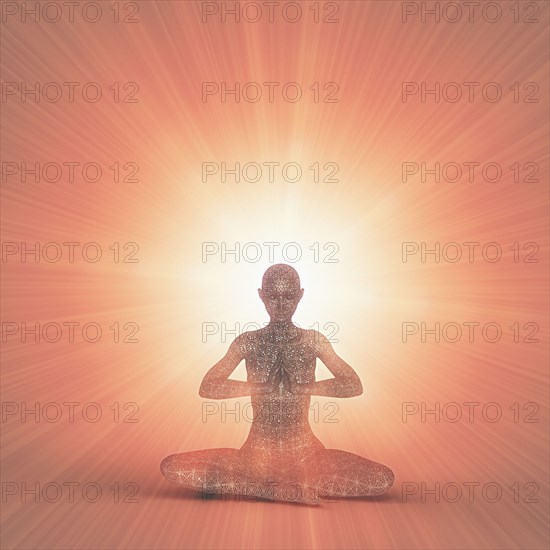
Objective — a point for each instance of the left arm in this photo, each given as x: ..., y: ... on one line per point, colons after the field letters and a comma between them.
x: 346, y: 382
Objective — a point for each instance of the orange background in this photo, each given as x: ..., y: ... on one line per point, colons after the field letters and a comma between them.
x: 170, y: 293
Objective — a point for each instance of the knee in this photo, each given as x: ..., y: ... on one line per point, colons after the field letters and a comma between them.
x: 167, y: 465
x: 389, y: 478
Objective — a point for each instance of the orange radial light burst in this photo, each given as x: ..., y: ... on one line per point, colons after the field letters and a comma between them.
x: 159, y: 156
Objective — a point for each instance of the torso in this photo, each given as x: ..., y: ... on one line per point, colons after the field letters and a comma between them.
x: 280, y: 419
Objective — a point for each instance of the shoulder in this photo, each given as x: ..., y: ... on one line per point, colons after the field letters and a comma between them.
x: 316, y: 340
x: 247, y: 341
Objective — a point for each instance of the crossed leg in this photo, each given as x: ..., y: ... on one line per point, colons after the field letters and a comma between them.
x: 212, y: 470
x: 341, y: 474
x: 327, y: 473
x: 232, y: 471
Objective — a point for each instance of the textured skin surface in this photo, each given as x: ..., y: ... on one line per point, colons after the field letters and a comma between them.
x: 281, y: 458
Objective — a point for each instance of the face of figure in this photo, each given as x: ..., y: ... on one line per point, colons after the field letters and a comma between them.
x: 281, y: 292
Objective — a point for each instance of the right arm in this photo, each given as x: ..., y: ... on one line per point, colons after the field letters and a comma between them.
x: 217, y: 385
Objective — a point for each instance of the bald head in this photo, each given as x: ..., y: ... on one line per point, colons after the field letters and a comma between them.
x: 281, y: 292
x: 281, y: 278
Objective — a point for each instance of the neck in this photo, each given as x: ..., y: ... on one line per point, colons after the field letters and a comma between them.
x: 280, y: 324
x: 282, y: 331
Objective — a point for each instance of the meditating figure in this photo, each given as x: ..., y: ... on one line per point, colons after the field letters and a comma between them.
x: 281, y: 458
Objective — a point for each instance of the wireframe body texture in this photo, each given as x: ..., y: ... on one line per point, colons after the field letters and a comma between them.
x: 281, y: 459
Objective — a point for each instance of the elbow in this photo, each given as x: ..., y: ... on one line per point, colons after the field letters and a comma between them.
x: 205, y: 390
x: 356, y: 388
x: 212, y: 388
x: 348, y: 386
